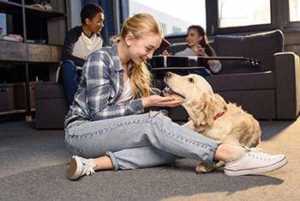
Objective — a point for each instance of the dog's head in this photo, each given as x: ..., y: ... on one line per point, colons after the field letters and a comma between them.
x: 187, y: 86
x: 200, y: 102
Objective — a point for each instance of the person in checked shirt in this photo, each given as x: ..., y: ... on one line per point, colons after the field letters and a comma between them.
x: 109, y: 127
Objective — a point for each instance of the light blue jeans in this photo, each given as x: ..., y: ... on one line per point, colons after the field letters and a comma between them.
x: 138, y: 141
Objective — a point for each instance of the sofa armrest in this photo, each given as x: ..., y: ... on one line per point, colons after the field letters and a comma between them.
x: 287, y: 82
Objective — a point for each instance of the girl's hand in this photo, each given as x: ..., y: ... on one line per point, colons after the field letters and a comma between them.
x: 199, y: 50
x: 160, y: 101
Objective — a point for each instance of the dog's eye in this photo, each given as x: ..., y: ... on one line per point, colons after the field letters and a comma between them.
x: 191, y: 80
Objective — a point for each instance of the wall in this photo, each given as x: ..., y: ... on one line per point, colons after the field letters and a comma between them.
x: 75, y: 8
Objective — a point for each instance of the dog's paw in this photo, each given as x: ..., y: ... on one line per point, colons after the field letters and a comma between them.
x: 201, y: 168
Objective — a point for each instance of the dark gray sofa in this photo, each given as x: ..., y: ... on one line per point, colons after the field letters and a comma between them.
x: 270, y: 91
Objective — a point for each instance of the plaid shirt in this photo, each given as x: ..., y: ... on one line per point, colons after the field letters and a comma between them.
x: 100, y: 87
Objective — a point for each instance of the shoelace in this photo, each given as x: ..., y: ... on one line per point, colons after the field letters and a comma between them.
x: 88, y: 169
x: 258, y: 153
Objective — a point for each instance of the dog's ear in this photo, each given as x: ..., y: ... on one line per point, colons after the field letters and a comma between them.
x: 209, y: 110
x: 219, y: 101
x: 195, y: 108
x: 215, y: 104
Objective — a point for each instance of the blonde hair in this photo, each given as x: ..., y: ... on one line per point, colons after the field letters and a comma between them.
x: 139, y: 74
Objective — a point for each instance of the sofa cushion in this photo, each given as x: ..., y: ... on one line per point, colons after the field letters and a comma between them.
x: 242, y: 81
x: 260, y: 46
x: 259, y: 103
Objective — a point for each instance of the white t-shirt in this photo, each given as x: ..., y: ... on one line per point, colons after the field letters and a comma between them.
x: 126, y: 93
x: 85, y: 45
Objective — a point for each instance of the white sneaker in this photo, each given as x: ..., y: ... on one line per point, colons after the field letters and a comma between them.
x: 254, y: 162
x: 79, y: 167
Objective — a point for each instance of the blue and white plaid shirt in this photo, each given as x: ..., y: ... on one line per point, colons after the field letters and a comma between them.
x: 99, y: 89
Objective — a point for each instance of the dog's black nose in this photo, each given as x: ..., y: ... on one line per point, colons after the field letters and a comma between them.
x: 168, y: 74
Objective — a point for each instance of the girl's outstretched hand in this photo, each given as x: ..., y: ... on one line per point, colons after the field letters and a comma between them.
x: 199, y: 50
x: 161, y: 101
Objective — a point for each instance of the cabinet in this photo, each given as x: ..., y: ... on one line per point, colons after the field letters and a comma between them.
x: 33, y: 59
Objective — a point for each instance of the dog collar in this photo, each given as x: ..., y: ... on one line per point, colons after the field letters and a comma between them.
x: 218, y: 115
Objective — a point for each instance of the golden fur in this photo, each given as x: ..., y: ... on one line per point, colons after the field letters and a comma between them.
x: 209, y: 113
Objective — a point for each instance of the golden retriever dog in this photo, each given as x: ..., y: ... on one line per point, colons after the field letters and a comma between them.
x: 211, y: 115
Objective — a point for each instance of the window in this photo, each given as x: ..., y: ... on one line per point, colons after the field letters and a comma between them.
x: 163, y: 27
x: 233, y: 13
x: 177, y: 30
x: 175, y: 16
x: 3, y: 28
x: 294, y: 6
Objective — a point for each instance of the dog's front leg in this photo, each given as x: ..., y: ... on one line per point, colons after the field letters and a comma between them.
x: 219, y: 164
x: 205, y: 168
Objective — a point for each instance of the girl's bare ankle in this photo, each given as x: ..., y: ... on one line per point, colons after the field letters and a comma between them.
x: 229, y: 152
